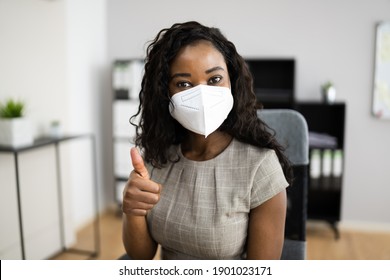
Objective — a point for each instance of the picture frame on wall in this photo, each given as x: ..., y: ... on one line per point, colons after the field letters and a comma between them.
x: 381, y: 91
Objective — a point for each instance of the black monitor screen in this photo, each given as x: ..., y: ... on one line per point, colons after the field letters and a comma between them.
x: 273, y: 79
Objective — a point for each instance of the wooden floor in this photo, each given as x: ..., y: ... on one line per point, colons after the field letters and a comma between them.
x: 352, y: 245
x: 321, y: 242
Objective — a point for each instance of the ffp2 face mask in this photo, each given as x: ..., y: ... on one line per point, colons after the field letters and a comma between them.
x: 201, y: 109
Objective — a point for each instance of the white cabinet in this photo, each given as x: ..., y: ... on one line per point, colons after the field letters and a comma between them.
x: 40, y: 203
x: 39, y: 220
x: 10, y: 242
x: 35, y: 204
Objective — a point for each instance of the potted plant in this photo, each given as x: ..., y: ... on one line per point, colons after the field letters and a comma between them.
x: 328, y: 92
x: 15, y: 129
x: 55, y: 129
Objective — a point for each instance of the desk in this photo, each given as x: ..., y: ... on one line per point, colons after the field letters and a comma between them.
x: 56, y: 141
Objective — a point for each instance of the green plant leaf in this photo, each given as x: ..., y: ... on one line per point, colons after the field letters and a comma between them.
x: 12, y: 109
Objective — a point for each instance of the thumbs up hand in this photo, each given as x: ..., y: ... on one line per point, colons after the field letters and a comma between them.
x: 140, y: 193
x: 138, y: 163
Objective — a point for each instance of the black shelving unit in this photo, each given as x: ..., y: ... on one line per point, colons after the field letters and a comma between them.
x: 274, y: 86
x: 325, y: 192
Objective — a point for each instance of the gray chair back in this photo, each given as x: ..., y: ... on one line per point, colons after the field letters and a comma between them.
x: 291, y: 131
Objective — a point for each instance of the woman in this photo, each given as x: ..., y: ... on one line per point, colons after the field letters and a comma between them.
x: 212, y: 181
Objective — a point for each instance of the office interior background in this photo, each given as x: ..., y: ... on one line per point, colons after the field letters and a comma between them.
x: 57, y: 55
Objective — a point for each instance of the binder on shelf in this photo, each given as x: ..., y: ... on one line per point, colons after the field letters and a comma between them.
x: 337, y: 166
x: 126, y: 79
x: 315, y: 163
x: 326, y: 168
x: 123, y: 110
x: 120, y: 80
x: 337, y: 169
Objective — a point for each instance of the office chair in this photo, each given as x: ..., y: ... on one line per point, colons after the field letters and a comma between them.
x: 291, y: 131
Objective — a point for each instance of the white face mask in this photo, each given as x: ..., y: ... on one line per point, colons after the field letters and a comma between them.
x: 202, y: 109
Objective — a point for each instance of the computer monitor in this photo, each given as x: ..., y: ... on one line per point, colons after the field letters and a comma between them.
x: 273, y: 81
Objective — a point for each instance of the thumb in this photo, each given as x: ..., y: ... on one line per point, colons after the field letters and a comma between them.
x: 138, y: 163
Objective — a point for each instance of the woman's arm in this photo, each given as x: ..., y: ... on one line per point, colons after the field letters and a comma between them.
x: 136, y: 238
x: 266, y: 228
x: 139, y: 196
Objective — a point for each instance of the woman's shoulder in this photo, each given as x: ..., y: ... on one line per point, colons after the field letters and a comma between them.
x: 253, y: 152
x: 258, y: 159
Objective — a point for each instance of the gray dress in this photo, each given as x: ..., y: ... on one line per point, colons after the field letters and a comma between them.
x: 204, y: 205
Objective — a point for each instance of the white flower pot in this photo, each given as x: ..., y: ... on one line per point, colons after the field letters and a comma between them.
x: 329, y: 95
x: 55, y: 131
x: 15, y: 132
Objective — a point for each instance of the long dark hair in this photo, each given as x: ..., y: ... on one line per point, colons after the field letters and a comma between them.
x: 157, y: 130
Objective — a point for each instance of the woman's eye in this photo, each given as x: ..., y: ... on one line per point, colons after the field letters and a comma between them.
x: 215, y: 80
x: 183, y: 84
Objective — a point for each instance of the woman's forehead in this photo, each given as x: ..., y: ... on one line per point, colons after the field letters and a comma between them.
x: 199, y: 54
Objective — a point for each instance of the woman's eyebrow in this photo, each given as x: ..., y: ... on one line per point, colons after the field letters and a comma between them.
x: 214, y: 69
x: 180, y: 75
x: 186, y: 75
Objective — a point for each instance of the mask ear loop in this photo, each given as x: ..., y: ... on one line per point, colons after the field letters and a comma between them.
x: 171, y: 105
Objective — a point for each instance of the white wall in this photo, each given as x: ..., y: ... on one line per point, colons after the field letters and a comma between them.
x: 89, y: 97
x: 33, y: 59
x: 329, y: 40
x: 53, y: 55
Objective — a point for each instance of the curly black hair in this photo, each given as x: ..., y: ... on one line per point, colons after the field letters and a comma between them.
x: 157, y: 130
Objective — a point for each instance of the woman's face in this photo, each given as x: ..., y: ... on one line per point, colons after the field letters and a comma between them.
x: 198, y: 64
